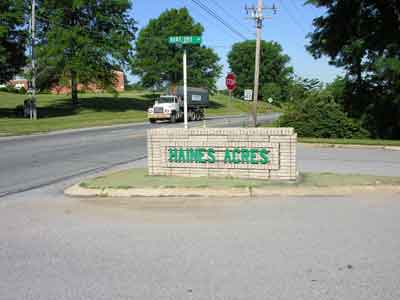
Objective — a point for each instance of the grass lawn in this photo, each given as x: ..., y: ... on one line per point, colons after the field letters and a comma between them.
x: 370, y: 142
x: 138, y: 178
x: 56, y: 112
x: 364, y: 142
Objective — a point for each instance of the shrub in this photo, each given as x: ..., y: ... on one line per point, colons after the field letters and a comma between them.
x: 319, y: 116
x: 19, y: 111
x: 9, y: 89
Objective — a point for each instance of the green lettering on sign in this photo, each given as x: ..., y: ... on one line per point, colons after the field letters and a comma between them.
x: 227, y: 156
x: 192, y: 155
x: 173, y: 154
x: 235, y: 154
x: 201, y: 155
x: 181, y: 156
x: 245, y: 156
x: 264, y: 156
x: 189, y: 39
x: 253, y: 156
x: 211, y: 155
x: 208, y: 155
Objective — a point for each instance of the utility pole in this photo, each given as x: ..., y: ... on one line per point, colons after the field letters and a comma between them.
x: 256, y: 13
x: 33, y: 114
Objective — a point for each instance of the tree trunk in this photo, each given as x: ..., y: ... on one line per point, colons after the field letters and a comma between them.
x: 74, y: 88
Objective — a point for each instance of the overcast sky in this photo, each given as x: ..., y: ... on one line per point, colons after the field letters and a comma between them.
x: 289, y: 27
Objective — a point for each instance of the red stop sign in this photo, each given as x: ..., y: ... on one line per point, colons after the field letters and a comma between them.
x: 230, y: 81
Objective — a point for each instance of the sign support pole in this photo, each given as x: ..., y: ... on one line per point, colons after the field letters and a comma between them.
x: 181, y: 41
x: 32, y: 107
x: 185, y: 108
x: 230, y: 101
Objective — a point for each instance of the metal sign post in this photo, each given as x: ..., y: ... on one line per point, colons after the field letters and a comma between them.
x: 184, y: 40
x: 230, y: 82
x: 185, y: 112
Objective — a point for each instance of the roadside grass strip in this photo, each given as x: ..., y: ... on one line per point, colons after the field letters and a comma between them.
x: 136, y: 182
x: 56, y: 112
x: 365, y: 142
x: 337, y: 142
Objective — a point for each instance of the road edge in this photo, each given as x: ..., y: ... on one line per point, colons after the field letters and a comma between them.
x: 350, y: 146
x: 95, y: 128
x: 79, y: 191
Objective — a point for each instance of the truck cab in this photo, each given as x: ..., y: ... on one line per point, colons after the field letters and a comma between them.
x: 170, y: 106
x: 167, y: 107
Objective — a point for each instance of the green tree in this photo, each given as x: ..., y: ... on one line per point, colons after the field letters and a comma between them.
x: 299, y: 88
x: 275, y: 74
x: 85, y: 40
x: 12, y: 38
x: 318, y: 115
x: 337, y: 89
x: 363, y: 37
x: 158, y: 64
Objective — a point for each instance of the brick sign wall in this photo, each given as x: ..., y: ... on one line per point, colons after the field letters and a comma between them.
x: 261, y: 153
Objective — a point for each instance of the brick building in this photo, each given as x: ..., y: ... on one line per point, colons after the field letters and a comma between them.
x: 17, y: 83
x: 119, y: 86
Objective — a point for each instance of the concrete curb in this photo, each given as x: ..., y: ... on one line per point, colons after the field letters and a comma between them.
x: 346, y: 146
x: 79, y: 191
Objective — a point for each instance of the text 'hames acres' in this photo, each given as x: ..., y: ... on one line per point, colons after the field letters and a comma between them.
x: 208, y: 155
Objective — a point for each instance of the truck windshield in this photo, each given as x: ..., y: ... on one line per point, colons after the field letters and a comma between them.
x: 166, y: 100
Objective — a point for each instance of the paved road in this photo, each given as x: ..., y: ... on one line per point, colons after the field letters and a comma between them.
x: 322, y: 248
x: 351, y: 161
x: 39, y: 160
x: 319, y: 248
x: 30, y: 162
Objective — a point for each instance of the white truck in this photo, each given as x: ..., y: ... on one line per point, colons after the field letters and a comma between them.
x: 170, y: 106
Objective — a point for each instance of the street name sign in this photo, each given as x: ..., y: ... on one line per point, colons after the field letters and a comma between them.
x: 189, y: 39
x: 185, y: 40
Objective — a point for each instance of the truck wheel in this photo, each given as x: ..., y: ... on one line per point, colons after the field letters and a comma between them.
x: 152, y: 121
x: 192, y: 116
x: 173, y: 118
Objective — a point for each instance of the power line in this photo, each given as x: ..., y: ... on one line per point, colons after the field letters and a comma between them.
x: 296, y: 8
x: 232, y: 16
x: 293, y: 18
x: 217, y: 17
x: 101, y: 38
x: 294, y: 3
x: 206, y: 17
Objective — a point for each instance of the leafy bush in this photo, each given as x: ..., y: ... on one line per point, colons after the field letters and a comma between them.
x: 19, y: 111
x: 134, y: 87
x: 319, y: 116
x: 272, y: 90
x: 22, y: 91
x: 9, y: 89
